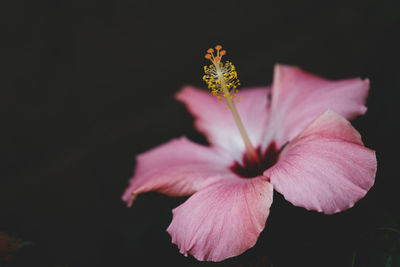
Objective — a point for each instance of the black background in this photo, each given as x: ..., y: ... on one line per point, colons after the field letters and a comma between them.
x: 87, y: 85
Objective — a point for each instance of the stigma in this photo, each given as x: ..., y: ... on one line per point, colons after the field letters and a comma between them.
x: 221, y: 78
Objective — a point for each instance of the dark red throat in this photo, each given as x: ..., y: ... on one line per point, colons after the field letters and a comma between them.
x: 251, y: 168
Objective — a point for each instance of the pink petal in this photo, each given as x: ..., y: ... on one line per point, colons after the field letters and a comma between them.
x: 223, y: 219
x: 299, y: 97
x: 176, y: 168
x: 216, y: 122
x: 326, y: 168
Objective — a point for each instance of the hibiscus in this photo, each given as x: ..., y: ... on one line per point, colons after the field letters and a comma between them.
x: 294, y: 137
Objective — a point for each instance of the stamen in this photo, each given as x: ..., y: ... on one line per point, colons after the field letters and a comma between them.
x: 222, y: 80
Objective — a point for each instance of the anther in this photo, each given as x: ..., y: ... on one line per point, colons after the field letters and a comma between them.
x: 208, y: 56
x: 210, y: 51
x: 218, y: 47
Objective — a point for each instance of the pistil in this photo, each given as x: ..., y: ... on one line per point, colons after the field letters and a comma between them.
x: 222, y: 80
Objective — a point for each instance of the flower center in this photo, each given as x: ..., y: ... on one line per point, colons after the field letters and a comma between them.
x: 222, y: 80
x: 251, y: 168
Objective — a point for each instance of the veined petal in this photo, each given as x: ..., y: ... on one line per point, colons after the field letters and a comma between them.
x: 222, y: 220
x: 326, y: 168
x: 176, y: 168
x: 216, y: 122
x: 299, y: 97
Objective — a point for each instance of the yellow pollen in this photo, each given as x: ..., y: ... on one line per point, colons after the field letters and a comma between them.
x: 222, y: 80
x: 219, y: 75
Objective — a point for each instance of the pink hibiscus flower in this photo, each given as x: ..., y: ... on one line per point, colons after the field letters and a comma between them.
x: 299, y: 143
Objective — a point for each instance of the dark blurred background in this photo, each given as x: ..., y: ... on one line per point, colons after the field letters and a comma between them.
x: 87, y: 85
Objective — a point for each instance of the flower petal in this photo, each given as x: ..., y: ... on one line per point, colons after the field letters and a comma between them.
x: 223, y: 219
x: 216, y: 122
x: 326, y: 168
x: 299, y: 97
x: 176, y: 168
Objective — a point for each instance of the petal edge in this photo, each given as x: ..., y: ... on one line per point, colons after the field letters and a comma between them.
x: 177, y: 168
x: 326, y: 168
x: 222, y: 220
